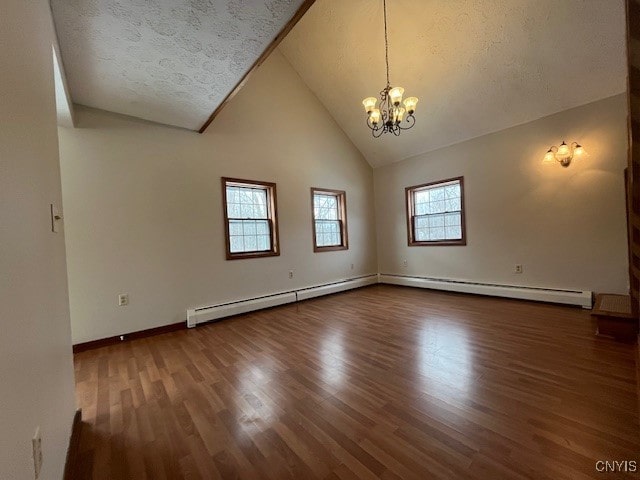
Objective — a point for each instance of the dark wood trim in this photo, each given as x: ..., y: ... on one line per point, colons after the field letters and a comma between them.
x: 342, y: 205
x: 149, y: 332
x: 74, y: 446
x: 273, y: 218
x: 633, y: 159
x: 270, y: 48
x: 408, y: 193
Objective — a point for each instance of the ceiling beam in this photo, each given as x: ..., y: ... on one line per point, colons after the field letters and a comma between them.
x: 270, y: 48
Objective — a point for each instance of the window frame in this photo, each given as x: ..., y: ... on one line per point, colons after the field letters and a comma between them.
x: 272, y: 217
x: 410, y: 209
x: 342, y: 214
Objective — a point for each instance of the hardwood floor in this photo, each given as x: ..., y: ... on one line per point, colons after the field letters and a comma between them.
x: 382, y: 382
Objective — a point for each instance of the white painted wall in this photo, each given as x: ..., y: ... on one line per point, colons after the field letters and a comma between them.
x: 565, y: 226
x: 36, y: 369
x: 143, y: 205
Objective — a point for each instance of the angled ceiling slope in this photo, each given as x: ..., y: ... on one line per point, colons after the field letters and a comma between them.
x: 168, y: 61
x: 478, y: 66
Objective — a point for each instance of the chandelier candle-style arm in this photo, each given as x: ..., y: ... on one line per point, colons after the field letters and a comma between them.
x: 389, y: 116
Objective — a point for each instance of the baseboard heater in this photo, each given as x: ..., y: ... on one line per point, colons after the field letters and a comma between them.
x: 569, y: 297
x: 214, y: 312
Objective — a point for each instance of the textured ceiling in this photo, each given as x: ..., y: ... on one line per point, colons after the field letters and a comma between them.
x: 169, y: 61
x: 478, y: 66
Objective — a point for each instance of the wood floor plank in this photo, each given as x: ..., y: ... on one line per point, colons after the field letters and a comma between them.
x: 381, y: 382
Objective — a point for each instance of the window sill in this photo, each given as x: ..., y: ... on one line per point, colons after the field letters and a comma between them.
x: 317, y: 249
x: 439, y: 243
x: 240, y: 256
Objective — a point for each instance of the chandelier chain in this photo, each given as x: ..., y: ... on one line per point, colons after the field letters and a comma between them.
x: 386, y: 41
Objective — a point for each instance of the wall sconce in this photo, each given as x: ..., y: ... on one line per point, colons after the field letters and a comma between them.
x: 564, y: 153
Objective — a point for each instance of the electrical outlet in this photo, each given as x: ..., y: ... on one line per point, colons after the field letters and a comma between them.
x: 518, y: 268
x: 123, y: 299
x: 36, y: 443
x: 290, y: 273
x: 352, y: 266
x: 405, y: 263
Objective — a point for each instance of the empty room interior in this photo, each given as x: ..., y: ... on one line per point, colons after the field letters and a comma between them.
x: 319, y: 239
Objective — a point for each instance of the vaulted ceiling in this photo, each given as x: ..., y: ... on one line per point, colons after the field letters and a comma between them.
x: 169, y: 61
x: 478, y: 66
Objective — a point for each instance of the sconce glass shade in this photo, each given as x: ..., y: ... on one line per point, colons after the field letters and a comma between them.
x: 410, y: 104
x: 369, y: 103
x: 549, y: 156
x: 374, y: 116
x: 396, y: 95
x: 579, y: 150
x: 563, y: 150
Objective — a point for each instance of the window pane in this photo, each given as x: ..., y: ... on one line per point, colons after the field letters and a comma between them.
x: 263, y: 242
x: 436, y: 233
x: 437, y: 206
x: 452, y: 191
x: 246, y: 202
x: 233, y: 210
x: 262, y: 228
x: 436, y: 194
x: 235, y: 228
x: 422, y: 196
x: 250, y: 243
x: 436, y: 221
x: 236, y: 244
x: 453, y: 219
x: 249, y: 236
x: 328, y: 233
x: 453, y: 233
x: 325, y: 207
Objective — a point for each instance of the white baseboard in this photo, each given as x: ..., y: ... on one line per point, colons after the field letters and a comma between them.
x: 569, y: 297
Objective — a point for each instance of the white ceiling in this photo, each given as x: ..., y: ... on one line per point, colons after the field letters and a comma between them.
x: 169, y: 61
x: 478, y: 66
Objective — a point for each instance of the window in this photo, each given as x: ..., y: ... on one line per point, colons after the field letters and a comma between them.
x: 329, y: 209
x: 435, y: 213
x: 251, y: 226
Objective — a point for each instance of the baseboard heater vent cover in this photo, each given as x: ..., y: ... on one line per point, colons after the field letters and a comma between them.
x: 568, y: 297
x: 214, y: 312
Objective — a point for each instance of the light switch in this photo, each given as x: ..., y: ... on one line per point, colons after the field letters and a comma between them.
x: 56, y: 219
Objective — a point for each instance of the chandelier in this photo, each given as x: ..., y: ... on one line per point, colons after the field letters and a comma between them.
x: 390, y: 117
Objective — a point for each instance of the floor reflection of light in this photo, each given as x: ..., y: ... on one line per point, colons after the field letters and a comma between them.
x: 255, y: 415
x: 332, y: 358
x: 445, y: 360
